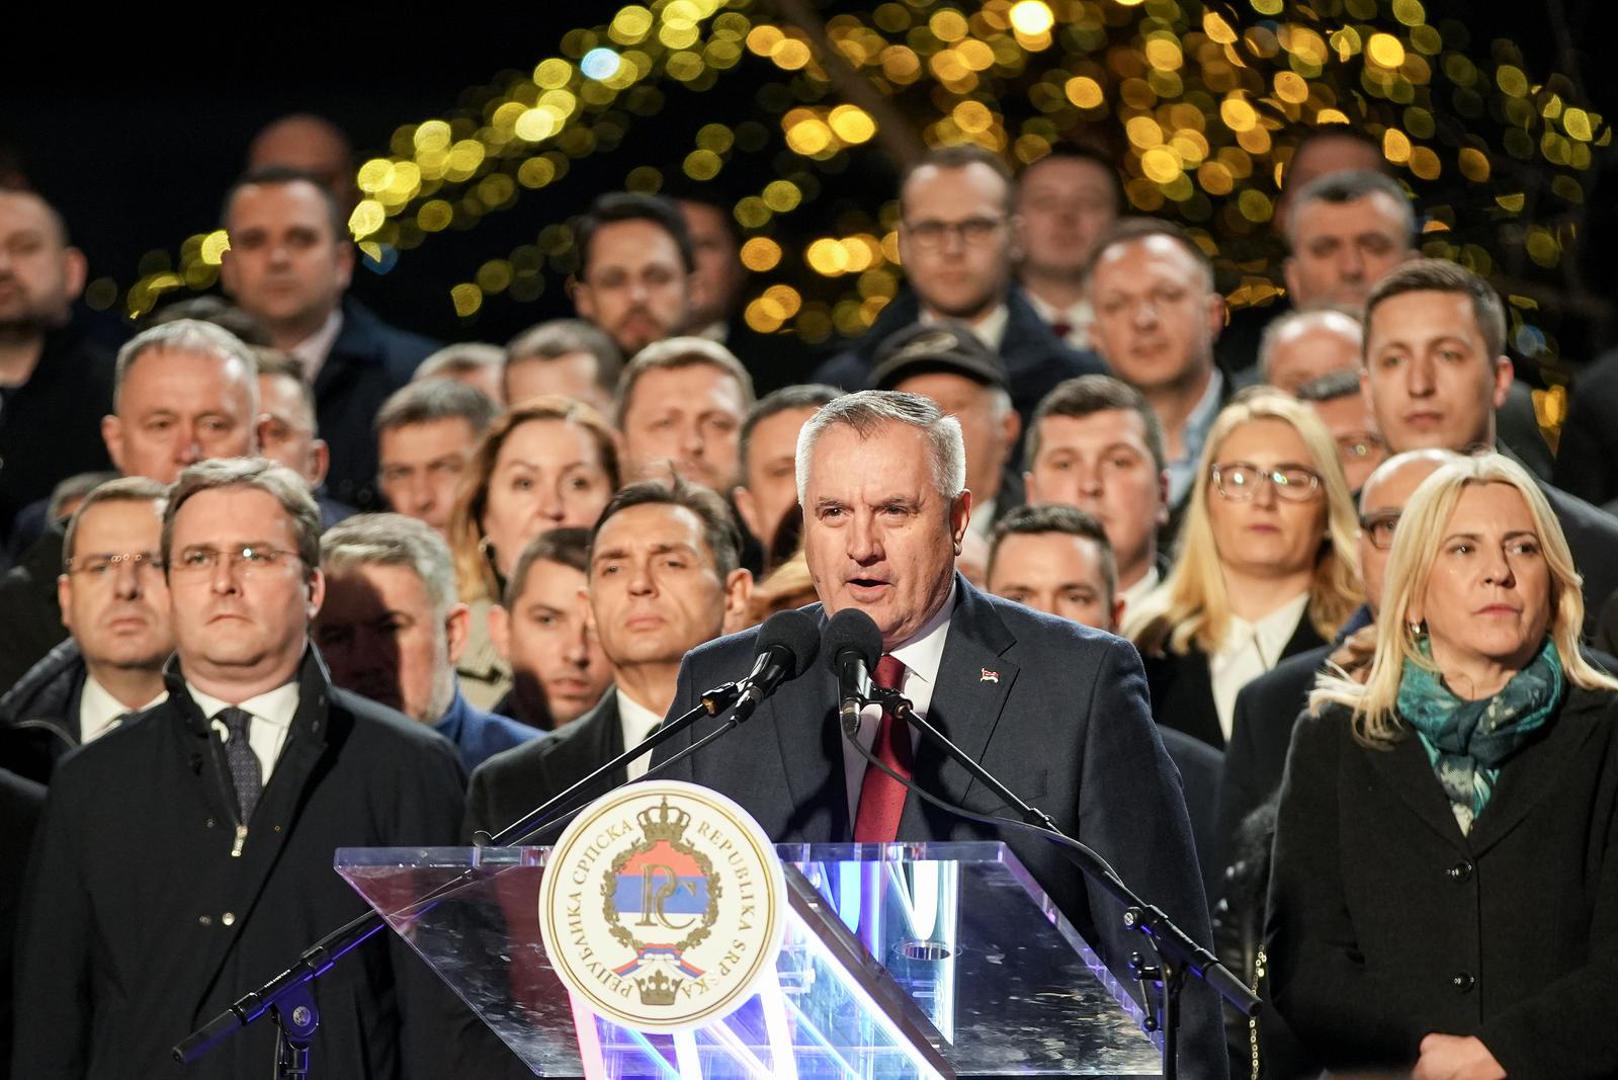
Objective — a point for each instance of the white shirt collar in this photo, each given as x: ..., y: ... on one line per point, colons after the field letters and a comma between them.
x: 923, y: 651
x: 1272, y: 631
x: 272, y: 713
x: 1248, y: 651
x: 99, y: 710
x: 990, y: 329
x: 312, y: 351
x: 1132, y: 595
x: 637, y: 722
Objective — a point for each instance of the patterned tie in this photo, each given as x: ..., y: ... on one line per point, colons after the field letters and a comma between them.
x: 244, y: 768
x: 882, y: 798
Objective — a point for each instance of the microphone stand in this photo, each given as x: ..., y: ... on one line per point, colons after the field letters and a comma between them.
x: 1177, y: 954
x: 287, y: 998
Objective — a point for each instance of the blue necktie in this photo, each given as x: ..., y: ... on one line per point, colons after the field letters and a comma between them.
x: 245, y: 774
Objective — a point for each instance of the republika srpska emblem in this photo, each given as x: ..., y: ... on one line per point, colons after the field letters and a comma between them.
x: 662, y: 904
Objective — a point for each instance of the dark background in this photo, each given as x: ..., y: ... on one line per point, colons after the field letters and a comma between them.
x: 135, y: 124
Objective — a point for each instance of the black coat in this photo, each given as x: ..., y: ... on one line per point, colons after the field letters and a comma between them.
x: 1199, y: 765
x: 1063, y: 721
x: 1592, y: 537
x: 368, y: 361
x: 50, y: 426
x: 32, y: 623
x: 513, y: 782
x: 1587, y: 452
x: 20, y: 802
x: 1182, y: 688
x: 39, y: 717
x: 1036, y: 360
x: 140, y: 925
x: 1261, y: 731
x: 1385, y: 923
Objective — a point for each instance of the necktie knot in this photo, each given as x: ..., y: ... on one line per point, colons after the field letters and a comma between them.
x: 890, y: 672
x: 236, y: 722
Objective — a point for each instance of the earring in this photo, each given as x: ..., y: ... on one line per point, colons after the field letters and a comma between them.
x: 1417, y: 629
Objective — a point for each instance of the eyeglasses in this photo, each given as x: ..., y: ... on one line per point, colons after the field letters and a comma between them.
x: 1379, y: 528
x: 974, y: 231
x: 249, y: 560
x: 1359, y: 444
x: 1240, y: 481
x: 104, y: 566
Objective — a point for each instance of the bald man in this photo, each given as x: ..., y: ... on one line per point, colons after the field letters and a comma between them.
x: 310, y: 144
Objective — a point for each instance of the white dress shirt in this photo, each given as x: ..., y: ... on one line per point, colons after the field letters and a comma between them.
x: 272, y: 714
x: 1248, y: 651
x: 312, y: 351
x: 1132, y: 595
x: 1078, y: 316
x: 990, y: 329
x: 637, y: 722
x: 99, y: 710
x: 921, y: 656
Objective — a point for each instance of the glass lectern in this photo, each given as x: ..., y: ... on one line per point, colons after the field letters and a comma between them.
x: 899, y: 960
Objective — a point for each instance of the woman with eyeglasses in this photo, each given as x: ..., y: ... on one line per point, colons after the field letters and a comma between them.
x: 1264, y: 567
x: 1444, y: 891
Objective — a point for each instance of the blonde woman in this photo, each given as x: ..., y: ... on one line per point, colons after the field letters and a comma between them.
x: 1445, y: 883
x: 548, y: 463
x: 1265, y: 565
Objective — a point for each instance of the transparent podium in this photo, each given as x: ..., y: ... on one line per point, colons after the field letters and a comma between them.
x: 899, y: 960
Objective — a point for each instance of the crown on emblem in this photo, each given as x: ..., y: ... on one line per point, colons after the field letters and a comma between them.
x: 657, y: 990
x: 663, y: 823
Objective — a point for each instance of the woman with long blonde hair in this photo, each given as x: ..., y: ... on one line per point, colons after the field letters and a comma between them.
x: 1444, y: 892
x: 1264, y: 569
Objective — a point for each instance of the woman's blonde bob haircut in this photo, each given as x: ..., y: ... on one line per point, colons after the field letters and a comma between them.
x: 475, y: 576
x: 1191, y: 607
x: 1416, y: 544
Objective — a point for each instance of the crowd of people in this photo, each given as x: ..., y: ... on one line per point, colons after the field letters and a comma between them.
x: 1292, y: 614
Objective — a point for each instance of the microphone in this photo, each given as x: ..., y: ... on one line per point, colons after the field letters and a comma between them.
x: 787, y: 644
x: 853, y: 644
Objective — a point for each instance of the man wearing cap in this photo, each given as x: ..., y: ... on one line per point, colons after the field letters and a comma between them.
x: 949, y: 366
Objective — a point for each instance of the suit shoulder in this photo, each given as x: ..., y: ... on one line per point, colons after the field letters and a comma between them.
x: 725, y: 652
x: 1036, y: 631
x: 378, y: 722
x: 1293, y: 675
x: 528, y: 758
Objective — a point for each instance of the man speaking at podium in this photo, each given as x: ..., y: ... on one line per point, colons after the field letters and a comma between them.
x: 1056, y: 710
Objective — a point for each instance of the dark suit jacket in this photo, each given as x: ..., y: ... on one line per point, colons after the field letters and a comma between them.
x: 1587, y: 452
x: 1182, y: 689
x: 39, y: 717
x: 32, y: 624
x: 50, y: 426
x: 1592, y: 537
x: 1266, y: 709
x: 513, y: 782
x: 1036, y: 359
x: 1199, y: 765
x: 368, y: 361
x: 1385, y: 923
x: 20, y: 802
x: 479, y: 735
x: 1065, y: 724
x: 140, y: 925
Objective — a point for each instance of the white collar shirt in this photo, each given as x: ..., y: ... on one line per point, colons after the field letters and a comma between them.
x: 636, y: 722
x: 99, y: 710
x: 312, y: 351
x: 922, y: 656
x: 1248, y: 651
x: 990, y: 329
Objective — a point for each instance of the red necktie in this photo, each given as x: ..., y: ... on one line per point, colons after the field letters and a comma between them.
x: 882, y: 798
x: 1061, y: 328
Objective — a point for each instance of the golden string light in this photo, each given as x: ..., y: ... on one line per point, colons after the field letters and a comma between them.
x: 1208, y: 102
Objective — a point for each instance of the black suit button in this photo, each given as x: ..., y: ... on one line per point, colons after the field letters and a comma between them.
x: 1462, y: 981
x: 1460, y: 872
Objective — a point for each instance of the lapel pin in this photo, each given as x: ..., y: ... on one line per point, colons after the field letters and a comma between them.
x: 989, y: 676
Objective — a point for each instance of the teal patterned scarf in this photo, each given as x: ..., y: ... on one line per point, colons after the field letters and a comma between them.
x: 1468, y: 741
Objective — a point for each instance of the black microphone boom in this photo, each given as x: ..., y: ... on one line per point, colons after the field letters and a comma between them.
x: 853, y: 644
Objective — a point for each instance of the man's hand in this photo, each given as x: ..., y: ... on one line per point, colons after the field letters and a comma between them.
x: 1456, y: 1057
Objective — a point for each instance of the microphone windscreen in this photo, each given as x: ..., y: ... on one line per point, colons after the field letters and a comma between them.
x: 851, y: 628
x: 795, y: 631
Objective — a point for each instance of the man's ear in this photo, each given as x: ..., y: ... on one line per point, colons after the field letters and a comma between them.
x: 960, y: 516
x: 64, y: 600
x: 1010, y: 428
x: 75, y: 268
x: 1289, y: 273
x: 1162, y: 497
x: 500, y: 631
x: 345, y: 263
x: 319, y: 463
x: 1216, y: 315
x: 1504, y: 373
x: 317, y: 592
x: 458, y: 628
x: 112, y: 433
x: 584, y: 301
x: 1030, y: 488
x: 738, y: 591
